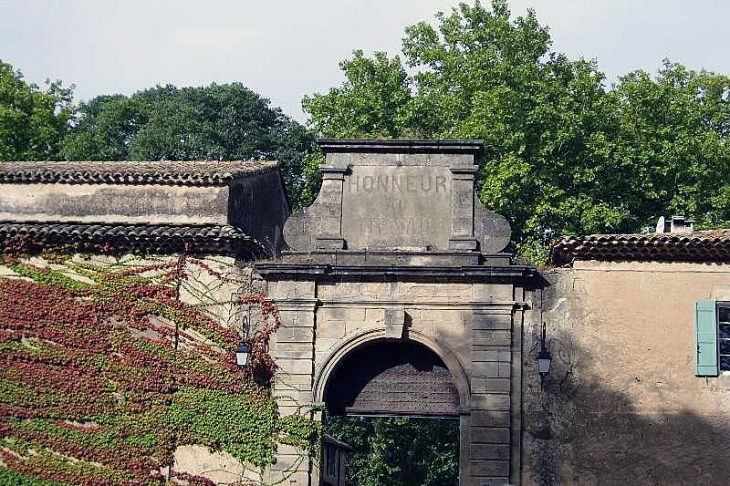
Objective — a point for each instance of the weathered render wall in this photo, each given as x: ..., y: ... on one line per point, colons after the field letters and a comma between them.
x: 89, y: 203
x: 622, y: 404
x: 248, y: 195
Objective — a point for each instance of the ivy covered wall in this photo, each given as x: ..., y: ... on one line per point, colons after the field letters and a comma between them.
x: 110, y: 366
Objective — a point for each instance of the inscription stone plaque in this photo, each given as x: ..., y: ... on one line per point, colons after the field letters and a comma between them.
x: 399, y: 195
x: 396, y: 207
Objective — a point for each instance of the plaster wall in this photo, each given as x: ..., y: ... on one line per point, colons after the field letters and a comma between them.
x: 622, y: 404
x: 151, y: 203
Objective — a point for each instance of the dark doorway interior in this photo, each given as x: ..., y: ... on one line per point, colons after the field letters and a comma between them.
x: 392, y: 379
x: 395, y: 403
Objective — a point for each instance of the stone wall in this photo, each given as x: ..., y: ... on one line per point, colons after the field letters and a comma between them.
x: 622, y: 404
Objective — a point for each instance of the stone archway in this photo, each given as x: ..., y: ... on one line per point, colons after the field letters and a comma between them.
x: 406, y: 379
x: 416, y: 376
x: 416, y: 359
x: 371, y: 376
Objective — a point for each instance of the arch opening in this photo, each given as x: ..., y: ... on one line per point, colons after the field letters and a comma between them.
x: 392, y: 378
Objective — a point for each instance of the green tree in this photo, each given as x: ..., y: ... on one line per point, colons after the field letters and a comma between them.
x: 563, y: 155
x: 373, y: 101
x: 673, y: 143
x: 32, y: 121
x: 546, y: 121
x: 216, y: 122
x: 399, y: 451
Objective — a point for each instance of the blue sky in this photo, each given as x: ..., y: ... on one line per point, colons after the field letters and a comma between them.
x: 286, y: 49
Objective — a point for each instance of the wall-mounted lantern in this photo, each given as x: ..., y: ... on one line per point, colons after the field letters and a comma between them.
x: 243, y: 352
x: 543, y: 360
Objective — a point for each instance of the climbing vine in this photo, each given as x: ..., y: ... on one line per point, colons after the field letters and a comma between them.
x: 109, y: 364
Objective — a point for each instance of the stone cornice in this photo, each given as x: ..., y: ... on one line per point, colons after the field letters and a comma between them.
x: 293, y: 271
x: 329, y: 145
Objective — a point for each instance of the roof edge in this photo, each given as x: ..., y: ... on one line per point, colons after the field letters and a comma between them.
x: 331, y: 145
x: 120, y: 237
x: 710, y: 246
x: 183, y: 173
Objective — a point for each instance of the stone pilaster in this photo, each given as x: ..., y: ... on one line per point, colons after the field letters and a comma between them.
x: 293, y: 349
x: 462, y: 208
x: 330, y: 206
x: 489, y: 441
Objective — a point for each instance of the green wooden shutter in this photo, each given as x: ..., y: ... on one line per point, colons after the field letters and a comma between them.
x: 706, y: 332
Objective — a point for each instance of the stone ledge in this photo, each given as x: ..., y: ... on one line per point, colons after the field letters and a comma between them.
x: 332, y: 145
x: 294, y: 271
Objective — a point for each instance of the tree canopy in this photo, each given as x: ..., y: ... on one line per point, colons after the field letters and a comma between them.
x: 216, y: 122
x: 32, y: 121
x: 563, y: 154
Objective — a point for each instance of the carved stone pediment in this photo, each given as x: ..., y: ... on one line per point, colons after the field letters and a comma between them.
x: 398, y: 194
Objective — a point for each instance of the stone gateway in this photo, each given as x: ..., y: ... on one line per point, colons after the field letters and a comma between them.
x: 397, y: 300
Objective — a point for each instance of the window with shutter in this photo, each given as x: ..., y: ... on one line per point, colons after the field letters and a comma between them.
x: 706, y: 338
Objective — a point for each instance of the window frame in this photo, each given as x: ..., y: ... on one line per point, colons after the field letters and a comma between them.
x: 723, y: 358
x: 709, y: 340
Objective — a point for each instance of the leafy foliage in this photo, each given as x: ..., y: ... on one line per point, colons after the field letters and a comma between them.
x: 399, y: 451
x: 105, y: 371
x: 673, y: 146
x: 32, y: 121
x: 216, y: 122
x: 563, y: 155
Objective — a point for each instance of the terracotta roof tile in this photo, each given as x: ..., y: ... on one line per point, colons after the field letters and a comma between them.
x: 188, y: 173
x: 698, y: 246
x: 151, y: 238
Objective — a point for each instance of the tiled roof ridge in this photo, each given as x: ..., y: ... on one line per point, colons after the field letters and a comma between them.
x: 713, y: 245
x: 184, y: 173
x: 154, y: 238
